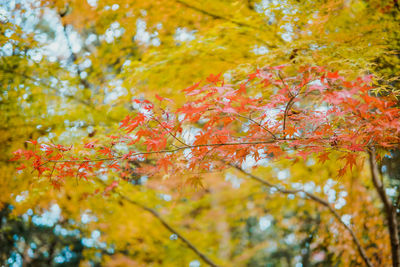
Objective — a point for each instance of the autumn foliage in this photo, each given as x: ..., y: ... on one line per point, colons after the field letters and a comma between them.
x: 312, y: 112
x: 191, y: 133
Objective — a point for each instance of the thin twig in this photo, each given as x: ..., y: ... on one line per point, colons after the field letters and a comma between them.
x: 288, y: 105
x: 259, y: 124
x: 169, y: 132
x: 284, y: 84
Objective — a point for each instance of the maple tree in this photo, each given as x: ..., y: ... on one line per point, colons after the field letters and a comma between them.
x: 341, y: 116
x: 69, y: 75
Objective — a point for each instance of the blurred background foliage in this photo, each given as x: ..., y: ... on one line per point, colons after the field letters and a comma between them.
x: 69, y: 70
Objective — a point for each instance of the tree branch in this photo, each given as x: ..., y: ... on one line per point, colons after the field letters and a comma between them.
x: 389, y: 209
x: 265, y: 142
x: 59, y: 94
x: 169, y: 227
x: 220, y: 17
x: 216, y: 16
x: 317, y: 199
x: 44, y: 84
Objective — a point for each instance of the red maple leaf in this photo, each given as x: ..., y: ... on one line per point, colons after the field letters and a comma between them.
x: 214, y: 78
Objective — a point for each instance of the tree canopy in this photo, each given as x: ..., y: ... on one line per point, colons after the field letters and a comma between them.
x: 191, y: 133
